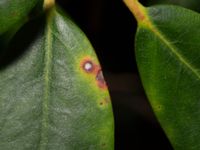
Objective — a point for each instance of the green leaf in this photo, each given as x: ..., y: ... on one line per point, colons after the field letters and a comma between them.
x: 14, y: 11
x: 167, y: 53
x: 191, y: 4
x: 53, y: 95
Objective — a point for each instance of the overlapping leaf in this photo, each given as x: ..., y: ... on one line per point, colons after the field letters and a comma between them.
x: 167, y: 53
x: 14, y: 11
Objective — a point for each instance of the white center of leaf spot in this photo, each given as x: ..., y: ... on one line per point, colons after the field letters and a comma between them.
x: 88, y: 66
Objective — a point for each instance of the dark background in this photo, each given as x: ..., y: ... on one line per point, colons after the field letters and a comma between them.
x: 111, y: 28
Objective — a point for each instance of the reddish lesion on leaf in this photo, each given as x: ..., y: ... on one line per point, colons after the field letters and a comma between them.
x: 89, y: 66
x: 100, y: 80
x: 94, y: 69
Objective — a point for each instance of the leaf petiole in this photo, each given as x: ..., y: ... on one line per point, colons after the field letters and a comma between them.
x: 48, y: 4
x: 139, y: 11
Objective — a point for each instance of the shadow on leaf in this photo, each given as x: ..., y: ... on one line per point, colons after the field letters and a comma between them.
x: 11, y: 52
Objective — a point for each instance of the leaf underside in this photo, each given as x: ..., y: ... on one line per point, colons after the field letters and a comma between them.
x: 168, y: 61
x: 52, y: 94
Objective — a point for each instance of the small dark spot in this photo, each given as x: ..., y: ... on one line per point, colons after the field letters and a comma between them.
x: 159, y: 107
x: 105, y: 101
x: 103, y: 145
x: 101, y: 103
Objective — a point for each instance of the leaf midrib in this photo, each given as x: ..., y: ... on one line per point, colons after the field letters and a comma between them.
x: 173, y: 49
x: 47, y: 76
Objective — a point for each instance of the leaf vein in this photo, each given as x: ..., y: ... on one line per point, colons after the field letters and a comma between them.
x: 174, y: 51
x: 47, y: 78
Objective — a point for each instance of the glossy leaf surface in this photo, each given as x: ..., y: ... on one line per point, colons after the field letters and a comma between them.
x: 14, y: 11
x: 167, y: 53
x: 53, y: 95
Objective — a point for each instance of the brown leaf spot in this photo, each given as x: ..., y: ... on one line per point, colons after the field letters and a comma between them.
x: 100, y: 80
x: 94, y: 69
x: 88, y: 65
